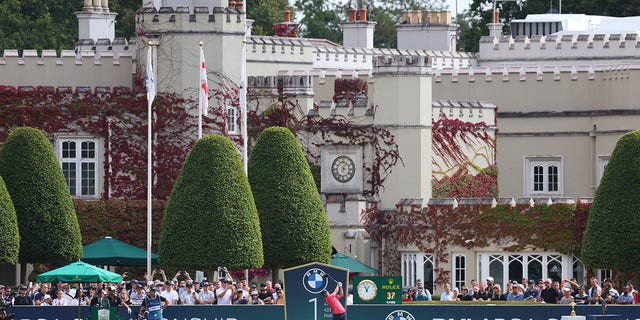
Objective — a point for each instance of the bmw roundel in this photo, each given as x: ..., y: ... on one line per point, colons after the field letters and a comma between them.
x: 400, y: 315
x: 314, y: 280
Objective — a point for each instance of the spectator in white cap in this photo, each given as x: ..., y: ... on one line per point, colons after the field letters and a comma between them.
x: 489, y: 286
x: 566, y: 296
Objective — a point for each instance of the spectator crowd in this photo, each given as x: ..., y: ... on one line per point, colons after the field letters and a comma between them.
x: 542, y: 291
x: 223, y: 291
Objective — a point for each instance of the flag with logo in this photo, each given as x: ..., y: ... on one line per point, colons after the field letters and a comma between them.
x: 150, y: 80
x: 204, y: 90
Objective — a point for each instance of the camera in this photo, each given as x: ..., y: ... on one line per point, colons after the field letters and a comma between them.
x: 182, y: 273
x: 157, y: 270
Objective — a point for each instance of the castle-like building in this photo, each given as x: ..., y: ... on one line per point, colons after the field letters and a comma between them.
x: 553, y: 97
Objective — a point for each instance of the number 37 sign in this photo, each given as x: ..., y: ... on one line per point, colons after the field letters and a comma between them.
x: 377, y: 290
x: 305, y: 285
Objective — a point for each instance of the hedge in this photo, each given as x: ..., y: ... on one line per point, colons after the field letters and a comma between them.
x: 9, y: 237
x: 295, y: 228
x: 612, y: 235
x: 211, y: 218
x: 47, y: 220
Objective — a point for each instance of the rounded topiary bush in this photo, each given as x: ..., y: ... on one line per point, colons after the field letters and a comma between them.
x: 211, y: 218
x: 613, y: 225
x: 9, y: 236
x: 47, y: 221
x: 294, y: 224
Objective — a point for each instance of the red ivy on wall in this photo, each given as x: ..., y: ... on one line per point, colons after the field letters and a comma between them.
x: 454, y: 143
x: 118, y: 117
x: 433, y: 230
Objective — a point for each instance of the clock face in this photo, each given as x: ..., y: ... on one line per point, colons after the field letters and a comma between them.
x: 367, y: 290
x: 343, y: 169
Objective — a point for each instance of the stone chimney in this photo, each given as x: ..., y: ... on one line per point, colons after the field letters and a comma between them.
x: 358, y: 33
x: 95, y: 21
x: 495, y: 28
x: 427, y: 30
x: 286, y: 28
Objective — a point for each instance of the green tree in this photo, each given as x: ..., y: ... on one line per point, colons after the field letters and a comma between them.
x: 9, y: 237
x: 211, y: 218
x: 321, y: 19
x: 52, y: 24
x: 265, y: 14
x: 47, y: 221
x: 616, y: 211
x: 385, y: 34
x: 295, y: 229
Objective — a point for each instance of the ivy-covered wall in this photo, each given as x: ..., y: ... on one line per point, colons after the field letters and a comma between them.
x: 556, y: 227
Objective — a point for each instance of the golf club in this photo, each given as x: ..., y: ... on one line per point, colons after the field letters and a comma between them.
x: 326, y: 275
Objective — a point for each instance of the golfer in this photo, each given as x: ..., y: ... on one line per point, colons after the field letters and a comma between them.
x: 333, y: 300
x: 154, y: 303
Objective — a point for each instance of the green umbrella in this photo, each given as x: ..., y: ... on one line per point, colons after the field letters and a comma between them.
x: 112, y: 252
x: 346, y: 262
x: 79, y: 272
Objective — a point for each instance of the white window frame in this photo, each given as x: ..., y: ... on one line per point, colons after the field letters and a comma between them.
x: 603, y: 161
x: 457, y: 281
x: 232, y: 120
x: 80, y: 162
x: 412, y: 265
x: 484, y: 260
x: 546, y: 163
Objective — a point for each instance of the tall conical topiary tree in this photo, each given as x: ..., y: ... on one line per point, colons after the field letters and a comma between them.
x: 294, y: 224
x: 9, y: 236
x: 613, y: 226
x: 47, y: 221
x: 211, y: 218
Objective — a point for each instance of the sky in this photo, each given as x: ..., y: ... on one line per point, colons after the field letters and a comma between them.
x: 462, y: 5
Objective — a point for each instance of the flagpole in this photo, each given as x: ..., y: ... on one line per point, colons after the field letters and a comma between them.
x: 201, y: 44
x: 243, y: 97
x: 151, y: 89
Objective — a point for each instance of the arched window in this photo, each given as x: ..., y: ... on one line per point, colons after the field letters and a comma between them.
x: 232, y: 120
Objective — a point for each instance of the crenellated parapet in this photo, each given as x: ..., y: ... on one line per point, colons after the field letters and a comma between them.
x: 292, y: 85
x: 536, y: 73
x: 199, y: 20
x: 466, y: 111
x: 598, y: 48
x: 272, y: 53
x: 117, y: 46
x: 69, y: 69
x: 419, y: 61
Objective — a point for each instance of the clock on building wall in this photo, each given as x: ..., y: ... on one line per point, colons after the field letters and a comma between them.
x: 341, y: 169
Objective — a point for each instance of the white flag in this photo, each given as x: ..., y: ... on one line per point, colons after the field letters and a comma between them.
x: 151, y: 81
x: 204, y: 90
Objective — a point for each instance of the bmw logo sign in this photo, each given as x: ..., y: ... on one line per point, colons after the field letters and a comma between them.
x: 400, y: 315
x: 314, y: 280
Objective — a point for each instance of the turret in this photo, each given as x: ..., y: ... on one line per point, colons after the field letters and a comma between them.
x: 358, y: 32
x: 427, y: 30
x: 95, y: 21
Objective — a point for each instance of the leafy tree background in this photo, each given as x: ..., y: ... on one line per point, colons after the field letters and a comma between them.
x: 9, y: 237
x: 47, y: 221
x: 57, y: 25
x: 616, y: 211
x: 473, y: 22
x: 265, y: 14
x: 211, y: 218
x: 52, y: 24
x: 294, y: 224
